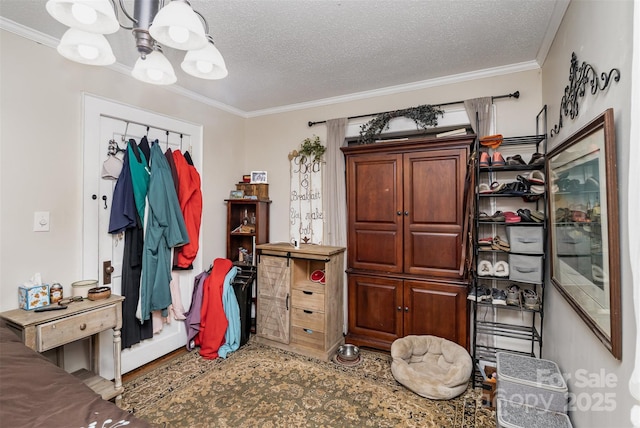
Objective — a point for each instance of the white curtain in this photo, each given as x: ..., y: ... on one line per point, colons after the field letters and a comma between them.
x: 334, y: 186
x: 481, y: 106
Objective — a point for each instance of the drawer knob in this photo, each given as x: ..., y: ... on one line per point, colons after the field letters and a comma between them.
x: 83, y: 326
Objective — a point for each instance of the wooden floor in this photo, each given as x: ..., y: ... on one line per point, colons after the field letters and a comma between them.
x: 153, y: 364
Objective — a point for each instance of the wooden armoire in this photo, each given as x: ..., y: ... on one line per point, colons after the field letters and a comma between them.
x: 404, y: 245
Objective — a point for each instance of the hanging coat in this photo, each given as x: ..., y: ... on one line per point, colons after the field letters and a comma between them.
x: 190, y: 198
x: 123, y: 206
x: 192, y: 316
x: 140, y: 174
x: 124, y: 217
x: 213, y: 322
x: 132, y: 330
x: 232, y: 312
x: 165, y: 229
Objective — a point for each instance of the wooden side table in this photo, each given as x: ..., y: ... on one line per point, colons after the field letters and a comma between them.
x: 42, y: 331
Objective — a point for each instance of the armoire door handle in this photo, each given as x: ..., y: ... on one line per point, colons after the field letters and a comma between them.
x: 399, y: 308
x: 399, y: 212
x: 406, y: 308
x: 406, y: 213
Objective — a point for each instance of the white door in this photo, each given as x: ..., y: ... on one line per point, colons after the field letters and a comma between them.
x: 106, y: 120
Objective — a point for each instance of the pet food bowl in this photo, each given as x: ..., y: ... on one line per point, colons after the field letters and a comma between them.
x: 348, y: 352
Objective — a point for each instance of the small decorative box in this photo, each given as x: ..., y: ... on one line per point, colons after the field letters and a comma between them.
x: 34, y: 296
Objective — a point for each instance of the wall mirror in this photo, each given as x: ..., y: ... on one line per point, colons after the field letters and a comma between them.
x: 583, y: 217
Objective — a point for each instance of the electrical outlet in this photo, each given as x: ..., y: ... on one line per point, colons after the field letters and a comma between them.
x: 41, y: 221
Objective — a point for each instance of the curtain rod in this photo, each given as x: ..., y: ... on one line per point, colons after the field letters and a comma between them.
x: 515, y: 95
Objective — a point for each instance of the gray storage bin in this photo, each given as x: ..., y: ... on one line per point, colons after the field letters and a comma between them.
x: 525, y: 268
x: 515, y: 415
x: 531, y: 381
x: 525, y: 239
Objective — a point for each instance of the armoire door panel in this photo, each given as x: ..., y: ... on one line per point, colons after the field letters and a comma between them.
x: 433, y: 252
x: 373, y: 307
x: 432, y: 193
x: 376, y: 250
x: 375, y: 217
x: 434, y: 309
x: 434, y: 184
x: 378, y: 192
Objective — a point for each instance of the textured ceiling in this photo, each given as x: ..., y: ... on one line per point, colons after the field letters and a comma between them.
x: 285, y: 52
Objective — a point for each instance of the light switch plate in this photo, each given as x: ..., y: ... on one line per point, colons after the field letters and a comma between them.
x: 41, y: 221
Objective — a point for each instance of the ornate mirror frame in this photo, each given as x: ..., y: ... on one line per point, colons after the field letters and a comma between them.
x: 584, y: 230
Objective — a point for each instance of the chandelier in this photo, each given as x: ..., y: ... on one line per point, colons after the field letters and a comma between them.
x: 154, y: 25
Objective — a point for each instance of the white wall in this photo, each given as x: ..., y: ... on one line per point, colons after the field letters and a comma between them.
x: 41, y: 158
x: 600, y: 33
x: 269, y: 139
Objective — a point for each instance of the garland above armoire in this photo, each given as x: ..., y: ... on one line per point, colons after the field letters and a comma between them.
x: 424, y: 116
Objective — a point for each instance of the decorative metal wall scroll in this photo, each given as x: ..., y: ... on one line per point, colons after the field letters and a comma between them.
x: 578, y: 79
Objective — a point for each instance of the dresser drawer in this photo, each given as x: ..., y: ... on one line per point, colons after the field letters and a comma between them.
x: 307, y: 337
x: 308, y: 319
x: 59, y: 332
x: 310, y: 300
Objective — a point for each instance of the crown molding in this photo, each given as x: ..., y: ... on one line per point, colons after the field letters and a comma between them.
x: 392, y: 90
x: 557, y: 15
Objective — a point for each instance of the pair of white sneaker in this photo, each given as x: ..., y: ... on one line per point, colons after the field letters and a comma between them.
x: 501, y: 269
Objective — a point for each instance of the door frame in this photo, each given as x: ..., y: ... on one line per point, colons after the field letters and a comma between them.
x: 95, y: 109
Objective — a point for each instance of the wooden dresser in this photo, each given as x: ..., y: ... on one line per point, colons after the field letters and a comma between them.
x: 295, y: 312
x: 405, y: 225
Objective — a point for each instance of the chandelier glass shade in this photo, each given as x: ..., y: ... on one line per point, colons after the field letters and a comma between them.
x: 176, y: 25
x: 86, y: 48
x: 155, y: 24
x: 205, y: 63
x: 93, y: 16
x: 155, y: 69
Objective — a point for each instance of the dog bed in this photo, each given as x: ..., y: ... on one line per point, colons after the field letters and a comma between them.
x: 431, y: 366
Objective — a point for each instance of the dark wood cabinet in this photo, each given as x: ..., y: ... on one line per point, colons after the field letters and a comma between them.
x: 247, y: 226
x: 405, y: 223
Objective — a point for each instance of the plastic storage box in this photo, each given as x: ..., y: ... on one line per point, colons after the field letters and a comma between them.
x: 515, y: 415
x: 531, y: 381
x: 525, y: 239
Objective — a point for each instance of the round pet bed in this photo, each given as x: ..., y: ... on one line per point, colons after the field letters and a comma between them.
x: 431, y: 366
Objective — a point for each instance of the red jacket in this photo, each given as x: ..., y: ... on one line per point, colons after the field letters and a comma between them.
x: 190, y: 198
x: 213, y: 321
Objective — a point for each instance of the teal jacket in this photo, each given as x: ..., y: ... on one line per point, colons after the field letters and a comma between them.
x: 232, y: 312
x: 165, y: 230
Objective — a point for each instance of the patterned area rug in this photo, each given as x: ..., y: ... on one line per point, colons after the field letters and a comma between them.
x: 260, y: 386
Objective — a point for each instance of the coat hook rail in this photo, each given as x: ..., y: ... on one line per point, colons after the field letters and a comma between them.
x: 148, y: 127
x: 515, y: 95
